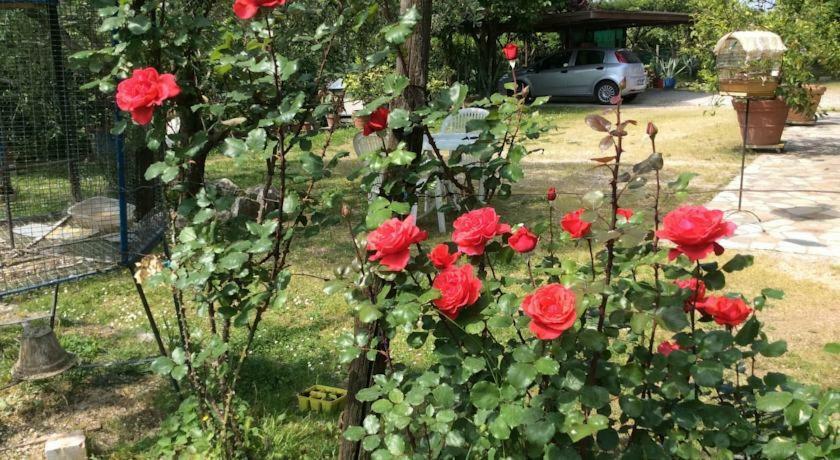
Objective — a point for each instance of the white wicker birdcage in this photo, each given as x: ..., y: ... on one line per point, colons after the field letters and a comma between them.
x: 748, y: 63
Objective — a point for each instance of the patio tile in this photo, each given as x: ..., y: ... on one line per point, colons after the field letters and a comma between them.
x: 802, y: 213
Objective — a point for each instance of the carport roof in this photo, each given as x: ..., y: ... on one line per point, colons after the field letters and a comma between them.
x: 605, y: 19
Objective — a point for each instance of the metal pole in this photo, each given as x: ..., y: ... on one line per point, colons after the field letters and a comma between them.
x: 744, y: 139
x: 121, y: 191
x: 152, y: 323
x: 54, y: 307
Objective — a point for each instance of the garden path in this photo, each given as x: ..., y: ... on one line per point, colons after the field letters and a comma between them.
x: 795, y: 194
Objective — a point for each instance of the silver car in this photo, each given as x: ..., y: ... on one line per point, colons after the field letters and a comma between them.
x: 594, y: 72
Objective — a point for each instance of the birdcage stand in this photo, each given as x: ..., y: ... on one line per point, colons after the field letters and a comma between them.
x: 744, y: 146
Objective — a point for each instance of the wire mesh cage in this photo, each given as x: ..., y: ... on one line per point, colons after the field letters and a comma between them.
x: 73, y: 200
x: 749, y: 62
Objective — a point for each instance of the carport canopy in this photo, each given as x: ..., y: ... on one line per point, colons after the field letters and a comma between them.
x: 601, y: 20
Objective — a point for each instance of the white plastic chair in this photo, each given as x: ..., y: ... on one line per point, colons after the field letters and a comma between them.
x: 458, y: 124
x: 366, y: 144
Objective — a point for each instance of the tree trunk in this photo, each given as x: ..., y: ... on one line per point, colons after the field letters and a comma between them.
x: 413, y: 63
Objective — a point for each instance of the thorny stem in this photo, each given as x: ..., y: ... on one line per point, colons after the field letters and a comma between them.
x: 530, y: 272
x: 610, y: 245
x: 551, y: 229
x: 591, y: 258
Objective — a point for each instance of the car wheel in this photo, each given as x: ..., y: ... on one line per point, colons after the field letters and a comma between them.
x: 605, y: 91
x: 629, y: 97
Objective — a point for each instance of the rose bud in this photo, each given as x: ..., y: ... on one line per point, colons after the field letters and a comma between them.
x: 523, y: 240
x: 551, y: 195
x: 652, y: 130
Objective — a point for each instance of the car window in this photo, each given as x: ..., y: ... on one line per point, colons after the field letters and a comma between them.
x: 586, y: 57
x: 627, y: 57
x: 556, y: 61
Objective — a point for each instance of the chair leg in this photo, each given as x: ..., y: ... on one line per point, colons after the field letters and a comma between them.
x: 441, y: 217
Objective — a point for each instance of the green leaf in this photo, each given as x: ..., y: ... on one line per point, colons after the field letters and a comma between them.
x: 139, y: 25
x: 368, y: 394
x: 234, y: 148
x: 707, y: 374
x: 354, y: 433
x: 833, y: 348
x: 368, y: 314
x: 798, y: 413
x: 748, y: 333
x: 779, y: 448
x: 233, y: 261
x: 773, y: 401
x: 179, y: 372
x: 594, y: 396
x: 371, y: 442
x: 539, y: 432
x: 395, y: 444
x: 773, y: 293
x: 485, y: 395
x: 639, y: 322
x: 631, y: 405
x: 738, y: 263
x: 521, y: 375
x: 401, y: 157
x: 499, y: 429
x: 547, y: 366
x: 772, y: 350
x: 673, y: 318
x: 162, y: 365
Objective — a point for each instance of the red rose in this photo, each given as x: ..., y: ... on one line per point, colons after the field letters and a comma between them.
x: 475, y: 229
x: 523, y: 240
x: 143, y: 91
x: 698, y: 292
x: 378, y: 121
x: 441, y: 258
x: 695, y: 230
x: 552, y: 310
x: 726, y: 310
x: 665, y: 348
x: 551, y: 195
x: 626, y: 212
x: 392, y: 242
x: 574, y: 225
x: 247, y: 9
x: 511, y: 51
x: 459, y: 288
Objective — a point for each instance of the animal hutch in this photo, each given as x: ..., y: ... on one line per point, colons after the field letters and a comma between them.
x: 73, y: 200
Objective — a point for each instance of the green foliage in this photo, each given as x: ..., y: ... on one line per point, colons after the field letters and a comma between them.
x: 809, y: 28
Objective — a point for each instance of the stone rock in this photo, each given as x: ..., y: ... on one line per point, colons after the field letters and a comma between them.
x: 70, y: 446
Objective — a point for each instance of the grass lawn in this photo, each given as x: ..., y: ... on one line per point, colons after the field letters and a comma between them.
x: 102, y: 321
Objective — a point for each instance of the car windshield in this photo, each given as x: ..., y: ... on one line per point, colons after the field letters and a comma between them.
x: 556, y: 61
x: 628, y: 56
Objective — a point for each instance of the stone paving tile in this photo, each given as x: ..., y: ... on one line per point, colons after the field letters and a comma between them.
x: 796, y: 195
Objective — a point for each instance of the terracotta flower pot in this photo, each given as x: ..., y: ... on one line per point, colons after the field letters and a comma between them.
x: 332, y: 120
x: 797, y: 117
x: 766, y: 120
x: 359, y: 121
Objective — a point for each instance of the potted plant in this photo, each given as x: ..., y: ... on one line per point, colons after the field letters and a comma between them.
x: 668, y: 69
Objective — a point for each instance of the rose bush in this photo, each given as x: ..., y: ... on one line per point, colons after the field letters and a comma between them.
x: 627, y: 356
